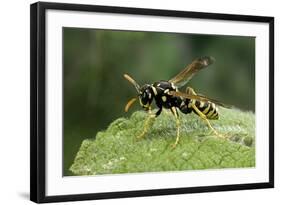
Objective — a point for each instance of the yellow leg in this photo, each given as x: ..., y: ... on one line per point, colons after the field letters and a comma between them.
x: 190, y: 90
x: 147, y: 123
x: 174, y: 111
x: 206, y: 120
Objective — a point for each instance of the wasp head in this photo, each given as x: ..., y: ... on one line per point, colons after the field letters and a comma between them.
x: 145, y: 96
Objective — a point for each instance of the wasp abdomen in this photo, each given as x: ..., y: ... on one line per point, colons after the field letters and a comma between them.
x: 183, y: 106
x: 209, y: 109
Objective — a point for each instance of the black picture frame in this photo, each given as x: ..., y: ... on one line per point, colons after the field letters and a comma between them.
x: 38, y: 101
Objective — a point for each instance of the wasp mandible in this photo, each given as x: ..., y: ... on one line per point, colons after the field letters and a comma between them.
x: 167, y: 95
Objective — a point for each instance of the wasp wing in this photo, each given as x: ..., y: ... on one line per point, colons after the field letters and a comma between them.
x: 199, y: 98
x: 186, y: 74
x: 215, y: 101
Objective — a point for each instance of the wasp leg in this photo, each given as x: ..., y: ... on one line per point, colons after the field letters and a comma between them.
x: 147, y: 123
x: 158, y: 112
x: 190, y: 90
x: 206, y: 120
x: 175, y: 113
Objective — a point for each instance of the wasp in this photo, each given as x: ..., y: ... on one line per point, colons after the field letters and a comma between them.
x: 166, y: 95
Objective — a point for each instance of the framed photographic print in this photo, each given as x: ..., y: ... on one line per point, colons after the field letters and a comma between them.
x: 129, y: 102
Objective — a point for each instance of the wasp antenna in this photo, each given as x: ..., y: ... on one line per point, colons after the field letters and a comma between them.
x: 129, y: 104
x: 131, y: 80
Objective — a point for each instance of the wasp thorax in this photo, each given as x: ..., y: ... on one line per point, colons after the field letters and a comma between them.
x: 146, y: 96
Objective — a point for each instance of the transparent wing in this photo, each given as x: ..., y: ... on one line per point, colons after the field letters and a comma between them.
x: 186, y: 74
x: 198, y: 97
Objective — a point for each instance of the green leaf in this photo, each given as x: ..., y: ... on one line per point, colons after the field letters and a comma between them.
x: 117, y: 150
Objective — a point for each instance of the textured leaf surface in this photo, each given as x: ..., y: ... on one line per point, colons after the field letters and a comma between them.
x: 117, y: 150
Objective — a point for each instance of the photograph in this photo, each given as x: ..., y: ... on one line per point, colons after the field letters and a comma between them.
x: 133, y: 102
x: 153, y: 102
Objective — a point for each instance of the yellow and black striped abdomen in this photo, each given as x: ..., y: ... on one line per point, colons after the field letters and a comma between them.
x: 209, y: 109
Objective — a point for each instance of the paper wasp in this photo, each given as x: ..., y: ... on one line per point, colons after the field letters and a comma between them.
x: 167, y: 95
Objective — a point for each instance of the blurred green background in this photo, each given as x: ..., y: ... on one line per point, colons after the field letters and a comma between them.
x: 95, y: 91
